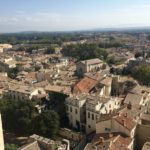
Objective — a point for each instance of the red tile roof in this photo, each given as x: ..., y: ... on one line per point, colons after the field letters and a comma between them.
x: 31, y: 75
x: 120, y: 143
x: 128, y: 123
x: 85, y: 85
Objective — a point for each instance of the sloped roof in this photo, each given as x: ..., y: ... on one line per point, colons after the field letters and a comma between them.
x: 32, y: 146
x: 139, y: 89
x: 106, y: 81
x: 134, y: 99
x: 124, y: 121
x: 120, y: 143
x: 92, y: 61
x: 85, y: 85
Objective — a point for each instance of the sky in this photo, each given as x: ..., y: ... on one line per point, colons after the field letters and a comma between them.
x: 71, y: 15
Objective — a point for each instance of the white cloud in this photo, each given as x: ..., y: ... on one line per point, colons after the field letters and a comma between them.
x: 132, y: 16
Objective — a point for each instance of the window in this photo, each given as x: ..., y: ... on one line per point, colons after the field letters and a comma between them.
x: 88, y: 115
x: 89, y: 126
x: 76, y: 111
x: 92, y: 116
x: 107, y: 129
x: 70, y: 109
x: 67, y: 108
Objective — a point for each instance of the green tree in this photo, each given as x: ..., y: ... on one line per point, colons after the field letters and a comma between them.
x: 148, y: 37
x: 46, y: 123
x: 18, y: 115
x: 57, y: 103
x: 22, y: 48
x: 50, y: 50
x: 100, y: 53
x: 22, y: 118
x: 139, y: 54
x: 11, y: 146
x: 85, y: 51
x: 142, y: 74
x: 12, y: 73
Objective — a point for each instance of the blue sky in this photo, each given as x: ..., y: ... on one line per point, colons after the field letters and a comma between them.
x: 67, y: 15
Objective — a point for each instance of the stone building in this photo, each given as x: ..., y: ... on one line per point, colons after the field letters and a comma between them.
x: 89, y: 66
x: 23, y: 92
x: 76, y: 111
x: 1, y: 135
x: 4, y: 47
x: 84, y: 110
x: 119, y: 123
x: 37, y: 142
x: 7, y: 63
x: 98, y: 106
x: 142, y: 133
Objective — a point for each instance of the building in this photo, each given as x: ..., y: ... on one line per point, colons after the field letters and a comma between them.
x: 4, y: 47
x: 89, y: 66
x: 91, y: 85
x: 62, y: 62
x: 84, y: 110
x: 23, y: 92
x: 7, y: 63
x: 142, y: 133
x: 85, y: 85
x: 106, y: 86
x: 146, y: 146
x: 96, y: 107
x: 75, y: 107
x: 37, y: 142
x: 1, y: 135
x: 106, y: 141
x: 138, y: 96
x: 118, y: 123
x: 120, y: 143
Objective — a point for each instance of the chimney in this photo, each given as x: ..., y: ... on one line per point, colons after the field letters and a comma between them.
x: 119, y: 114
x: 101, y: 139
x: 125, y: 115
x: 124, y: 124
x: 111, y: 135
x: 129, y: 106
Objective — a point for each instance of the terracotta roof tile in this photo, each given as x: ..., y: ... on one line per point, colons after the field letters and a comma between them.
x: 85, y: 85
x: 120, y: 143
x: 128, y: 123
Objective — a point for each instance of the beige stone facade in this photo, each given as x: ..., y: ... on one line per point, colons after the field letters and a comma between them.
x: 89, y: 66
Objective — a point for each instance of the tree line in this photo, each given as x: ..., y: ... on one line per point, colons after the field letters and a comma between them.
x: 21, y: 117
x: 85, y: 51
x: 142, y: 74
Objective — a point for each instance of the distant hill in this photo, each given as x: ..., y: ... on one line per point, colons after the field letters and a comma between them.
x: 117, y: 29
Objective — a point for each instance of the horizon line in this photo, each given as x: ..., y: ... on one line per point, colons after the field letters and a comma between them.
x: 82, y: 30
